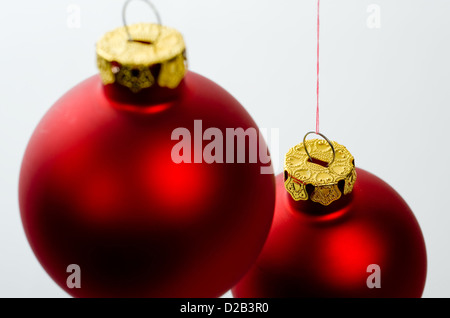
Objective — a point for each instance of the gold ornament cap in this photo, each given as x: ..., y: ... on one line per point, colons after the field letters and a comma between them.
x: 326, y: 169
x: 142, y: 55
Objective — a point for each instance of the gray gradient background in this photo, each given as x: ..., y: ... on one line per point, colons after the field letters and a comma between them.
x: 385, y: 93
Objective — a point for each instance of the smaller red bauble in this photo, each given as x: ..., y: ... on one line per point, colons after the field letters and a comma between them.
x: 366, y: 244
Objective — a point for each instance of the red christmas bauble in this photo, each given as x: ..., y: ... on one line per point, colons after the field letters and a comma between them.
x: 340, y: 250
x: 99, y: 189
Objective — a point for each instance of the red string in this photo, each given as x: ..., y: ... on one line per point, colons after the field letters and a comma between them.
x: 318, y: 66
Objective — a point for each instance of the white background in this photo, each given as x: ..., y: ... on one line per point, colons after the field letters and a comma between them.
x: 385, y: 92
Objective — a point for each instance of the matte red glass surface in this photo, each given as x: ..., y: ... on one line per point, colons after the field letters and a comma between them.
x: 98, y: 188
x: 316, y: 251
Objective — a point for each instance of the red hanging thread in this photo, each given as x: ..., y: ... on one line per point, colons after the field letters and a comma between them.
x: 318, y: 67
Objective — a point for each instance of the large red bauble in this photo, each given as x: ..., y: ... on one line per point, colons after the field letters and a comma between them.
x: 317, y: 251
x: 98, y: 188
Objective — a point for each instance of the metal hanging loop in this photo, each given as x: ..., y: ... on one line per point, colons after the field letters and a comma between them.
x: 127, y: 30
x: 323, y: 136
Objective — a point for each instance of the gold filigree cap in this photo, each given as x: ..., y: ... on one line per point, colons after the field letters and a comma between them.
x: 154, y: 55
x: 331, y: 171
